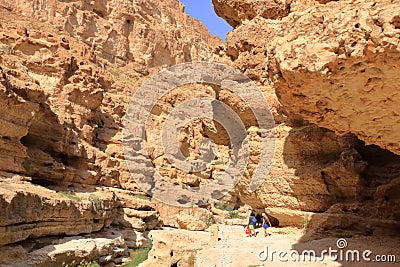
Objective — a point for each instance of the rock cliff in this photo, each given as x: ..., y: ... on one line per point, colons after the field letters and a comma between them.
x: 332, y: 66
x: 67, y: 72
x: 337, y: 70
x: 328, y: 70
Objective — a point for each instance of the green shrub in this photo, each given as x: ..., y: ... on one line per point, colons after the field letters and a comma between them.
x: 305, y: 221
x: 88, y: 264
x: 235, y: 215
x: 223, y: 206
x: 191, y: 260
x: 138, y: 255
x: 208, y: 219
x: 98, y: 203
x: 70, y: 196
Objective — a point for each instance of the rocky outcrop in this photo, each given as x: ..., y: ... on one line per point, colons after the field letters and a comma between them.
x: 313, y: 169
x: 330, y: 77
x: 237, y: 12
x: 70, y: 249
x: 35, y: 217
x: 348, y: 220
x: 107, y: 248
x: 335, y: 69
x: 342, y: 70
x: 33, y: 211
x: 175, y: 247
x: 61, y: 76
x: 145, y: 34
x: 67, y: 71
x: 194, y: 218
x: 191, y: 223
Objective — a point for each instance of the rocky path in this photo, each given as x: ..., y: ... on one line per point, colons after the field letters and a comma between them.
x: 235, y: 249
x: 174, y: 247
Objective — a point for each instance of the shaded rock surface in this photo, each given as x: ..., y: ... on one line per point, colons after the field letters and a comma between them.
x: 335, y: 69
x: 33, y: 211
x: 67, y: 72
x: 104, y: 248
x: 328, y: 69
x: 236, y: 249
x: 69, y: 68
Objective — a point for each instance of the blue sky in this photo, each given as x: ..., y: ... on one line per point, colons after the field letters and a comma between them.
x: 204, y: 11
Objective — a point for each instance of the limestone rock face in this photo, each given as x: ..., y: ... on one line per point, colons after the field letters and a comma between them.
x: 343, y: 72
x: 33, y: 211
x: 177, y: 247
x: 106, y: 249
x: 67, y: 72
x: 313, y: 169
x: 188, y: 222
x: 148, y: 33
x: 64, y: 92
x: 195, y: 218
x: 235, y: 12
x: 329, y: 69
x: 335, y: 69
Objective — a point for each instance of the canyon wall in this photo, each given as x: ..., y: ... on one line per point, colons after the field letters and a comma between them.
x: 333, y: 68
x: 68, y: 70
x: 328, y: 70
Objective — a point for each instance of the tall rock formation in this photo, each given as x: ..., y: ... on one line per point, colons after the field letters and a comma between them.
x: 69, y: 68
x: 67, y: 72
x: 330, y: 64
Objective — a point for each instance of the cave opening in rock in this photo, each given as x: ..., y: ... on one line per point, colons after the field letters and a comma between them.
x: 380, y: 180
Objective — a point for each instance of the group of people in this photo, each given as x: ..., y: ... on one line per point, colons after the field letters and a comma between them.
x: 255, y: 220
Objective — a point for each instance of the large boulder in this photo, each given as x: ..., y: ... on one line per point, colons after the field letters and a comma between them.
x: 29, y: 211
x: 335, y: 63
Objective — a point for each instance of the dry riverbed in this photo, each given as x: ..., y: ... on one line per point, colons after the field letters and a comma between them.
x: 235, y: 249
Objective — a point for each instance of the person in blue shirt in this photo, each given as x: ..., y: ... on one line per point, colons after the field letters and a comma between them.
x: 252, y: 223
x: 266, y: 223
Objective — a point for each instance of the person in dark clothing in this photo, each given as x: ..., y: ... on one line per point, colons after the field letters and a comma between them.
x: 259, y: 220
x: 252, y: 223
x: 266, y: 223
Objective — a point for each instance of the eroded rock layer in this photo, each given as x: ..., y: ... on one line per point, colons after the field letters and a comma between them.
x: 333, y: 67
x: 335, y: 64
x: 69, y: 68
x: 67, y: 72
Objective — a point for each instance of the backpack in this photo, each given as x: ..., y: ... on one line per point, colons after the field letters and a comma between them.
x: 248, y: 231
x: 253, y: 219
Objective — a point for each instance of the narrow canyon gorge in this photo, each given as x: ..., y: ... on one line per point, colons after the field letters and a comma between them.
x: 329, y: 71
